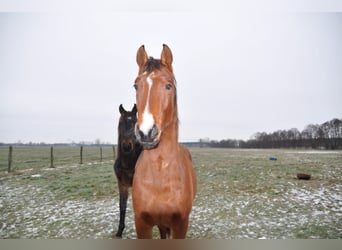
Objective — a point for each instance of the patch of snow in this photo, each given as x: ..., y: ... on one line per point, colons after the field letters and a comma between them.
x: 36, y: 176
x: 316, y: 152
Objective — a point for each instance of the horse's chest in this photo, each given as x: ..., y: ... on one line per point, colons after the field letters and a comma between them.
x: 124, y: 171
x: 159, y: 178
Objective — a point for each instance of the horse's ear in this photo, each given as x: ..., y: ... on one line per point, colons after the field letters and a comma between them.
x: 121, y: 109
x: 166, y: 57
x: 141, y: 56
x: 134, y: 109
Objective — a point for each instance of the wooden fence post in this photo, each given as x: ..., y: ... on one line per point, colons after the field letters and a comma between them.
x: 114, y: 153
x: 81, y: 155
x: 10, y: 159
x: 51, y: 157
x: 101, y: 153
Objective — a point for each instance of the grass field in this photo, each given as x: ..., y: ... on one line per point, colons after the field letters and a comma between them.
x: 241, y: 195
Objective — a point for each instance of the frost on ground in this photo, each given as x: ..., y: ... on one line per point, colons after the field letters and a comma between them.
x: 28, y: 212
x: 253, y: 203
x: 263, y: 217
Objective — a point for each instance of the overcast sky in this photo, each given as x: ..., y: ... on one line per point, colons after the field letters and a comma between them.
x: 65, y: 69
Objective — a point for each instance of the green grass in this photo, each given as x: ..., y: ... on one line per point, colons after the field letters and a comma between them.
x: 241, y: 194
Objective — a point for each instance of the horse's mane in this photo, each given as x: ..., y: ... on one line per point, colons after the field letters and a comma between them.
x: 152, y: 64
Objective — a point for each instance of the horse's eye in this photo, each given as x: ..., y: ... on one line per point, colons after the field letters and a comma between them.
x: 168, y: 86
x: 135, y: 86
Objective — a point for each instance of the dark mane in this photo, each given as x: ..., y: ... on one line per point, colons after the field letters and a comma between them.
x: 152, y: 64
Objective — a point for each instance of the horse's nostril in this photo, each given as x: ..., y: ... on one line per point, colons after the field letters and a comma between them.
x: 153, y: 132
x: 141, y: 134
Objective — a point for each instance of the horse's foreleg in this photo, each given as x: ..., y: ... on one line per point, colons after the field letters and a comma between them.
x: 180, y: 228
x: 123, y: 189
x: 143, y: 229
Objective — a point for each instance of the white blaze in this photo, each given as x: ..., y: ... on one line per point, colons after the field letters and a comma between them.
x: 147, y: 117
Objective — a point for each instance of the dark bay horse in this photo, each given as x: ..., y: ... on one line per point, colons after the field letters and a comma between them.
x: 129, y: 150
x: 164, y: 184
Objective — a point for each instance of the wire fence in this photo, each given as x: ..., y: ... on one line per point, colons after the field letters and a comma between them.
x: 23, y: 158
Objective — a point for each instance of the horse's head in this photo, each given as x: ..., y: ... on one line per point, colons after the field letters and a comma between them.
x: 127, y: 121
x: 155, y: 96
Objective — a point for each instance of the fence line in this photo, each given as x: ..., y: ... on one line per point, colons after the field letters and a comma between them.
x: 20, y: 158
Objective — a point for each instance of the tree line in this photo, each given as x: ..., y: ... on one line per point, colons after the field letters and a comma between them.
x: 316, y: 136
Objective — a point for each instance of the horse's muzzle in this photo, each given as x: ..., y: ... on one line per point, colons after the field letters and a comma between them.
x: 149, y: 140
x: 127, y: 147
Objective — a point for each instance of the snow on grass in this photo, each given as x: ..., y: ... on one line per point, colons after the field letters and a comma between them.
x: 28, y: 212
x: 317, y: 152
x: 243, y: 217
x: 241, y: 195
x: 259, y: 216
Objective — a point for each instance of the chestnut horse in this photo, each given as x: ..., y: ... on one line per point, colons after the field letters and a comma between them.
x: 164, y: 185
x: 129, y: 150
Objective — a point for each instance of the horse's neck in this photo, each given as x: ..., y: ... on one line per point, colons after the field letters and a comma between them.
x: 169, y: 138
x: 128, y: 158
